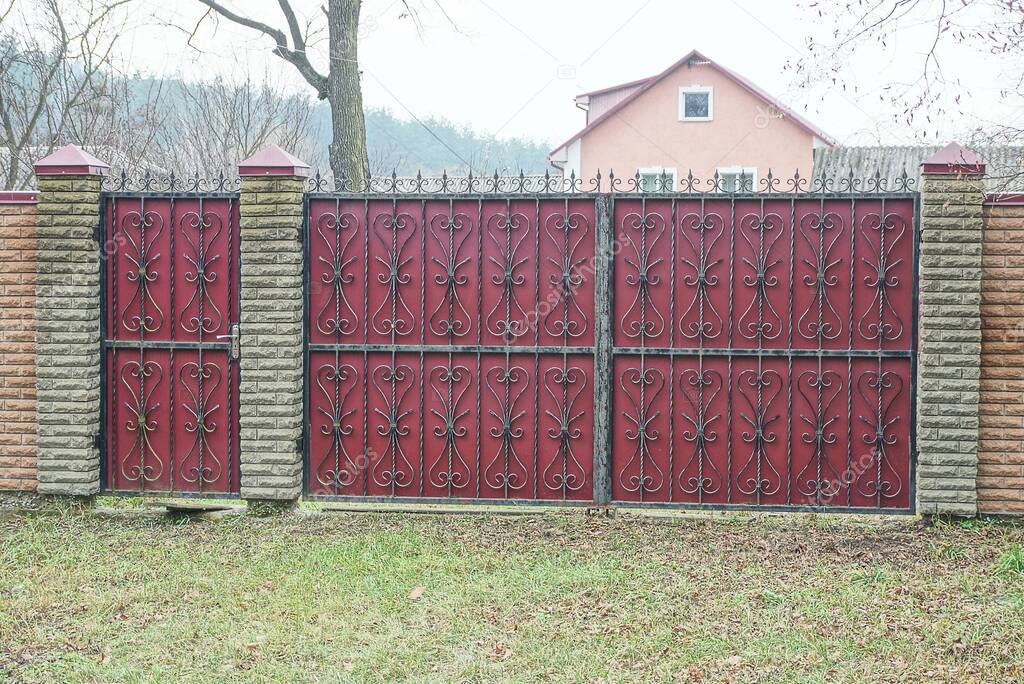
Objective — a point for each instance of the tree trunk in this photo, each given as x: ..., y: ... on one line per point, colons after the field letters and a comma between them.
x: 345, y: 95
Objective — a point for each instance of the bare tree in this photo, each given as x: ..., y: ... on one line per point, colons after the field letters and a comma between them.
x: 842, y: 29
x: 215, y: 124
x: 339, y: 86
x: 53, y: 56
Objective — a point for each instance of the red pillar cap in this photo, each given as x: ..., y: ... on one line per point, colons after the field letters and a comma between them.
x: 273, y: 161
x: 70, y: 160
x: 953, y: 158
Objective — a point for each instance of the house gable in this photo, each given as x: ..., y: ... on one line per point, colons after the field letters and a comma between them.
x: 643, y: 129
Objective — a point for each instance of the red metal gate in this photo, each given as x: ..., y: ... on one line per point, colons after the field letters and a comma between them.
x: 450, y: 347
x: 698, y: 349
x: 170, y: 406
x: 764, y: 350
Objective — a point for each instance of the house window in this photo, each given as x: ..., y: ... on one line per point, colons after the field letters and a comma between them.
x: 696, y: 103
x: 737, y: 179
x: 657, y: 179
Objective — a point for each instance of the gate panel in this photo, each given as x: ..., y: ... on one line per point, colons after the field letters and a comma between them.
x: 763, y: 350
x: 450, y: 347
x: 171, y: 378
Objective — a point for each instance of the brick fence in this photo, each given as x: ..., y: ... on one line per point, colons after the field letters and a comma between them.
x: 17, y: 341
x: 971, y: 365
x: 1001, y: 447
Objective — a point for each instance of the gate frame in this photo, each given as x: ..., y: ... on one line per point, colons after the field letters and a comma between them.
x: 104, y: 235
x: 604, y: 350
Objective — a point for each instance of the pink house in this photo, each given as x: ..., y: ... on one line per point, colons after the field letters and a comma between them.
x: 696, y: 116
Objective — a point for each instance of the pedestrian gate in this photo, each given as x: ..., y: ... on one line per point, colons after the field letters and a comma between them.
x: 170, y: 334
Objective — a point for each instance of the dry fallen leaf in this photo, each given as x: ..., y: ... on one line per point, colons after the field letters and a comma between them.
x: 416, y: 593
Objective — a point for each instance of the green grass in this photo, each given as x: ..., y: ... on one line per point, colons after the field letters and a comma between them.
x: 368, y: 597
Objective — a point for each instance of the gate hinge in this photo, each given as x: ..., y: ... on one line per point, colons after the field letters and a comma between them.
x: 300, y: 442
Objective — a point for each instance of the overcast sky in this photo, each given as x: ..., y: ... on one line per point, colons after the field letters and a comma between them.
x: 512, y: 67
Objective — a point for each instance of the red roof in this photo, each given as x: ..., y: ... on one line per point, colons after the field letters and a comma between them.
x: 648, y: 83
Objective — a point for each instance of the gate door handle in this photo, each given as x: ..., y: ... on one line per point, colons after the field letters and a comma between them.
x: 233, y: 336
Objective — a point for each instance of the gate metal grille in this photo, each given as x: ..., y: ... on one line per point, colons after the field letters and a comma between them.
x: 694, y: 350
x: 764, y: 351
x: 170, y: 401
x: 450, y: 347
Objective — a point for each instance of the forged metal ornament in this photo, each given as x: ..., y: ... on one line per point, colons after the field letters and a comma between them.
x: 565, y: 317
x: 819, y: 390
x: 565, y: 473
x: 141, y: 313
x: 758, y: 390
x: 393, y: 383
x: 881, y: 321
x: 508, y: 319
x: 200, y: 313
x: 336, y: 316
x: 642, y: 388
x: 548, y: 185
x: 642, y: 234
x: 171, y: 183
x: 450, y: 470
x: 760, y: 320
x: 201, y: 381
x: 821, y: 321
x: 506, y: 470
x: 700, y: 387
x: 450, y: 318
x: 877, y: 477
x: 701, y: 233
x: 394, y: 231
x: 141, y: 422
x: 335, y: 383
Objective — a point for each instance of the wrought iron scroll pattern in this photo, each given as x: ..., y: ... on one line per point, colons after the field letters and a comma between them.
x: 642, y: 236
x: 201, y: 382
x: 760, y: 321
x: 565, y: 473
x: 336, y: 315
x: 820, y: 232
x: 336, y: 382
x: 880, y: 320
x: 508, y: 231
x: 567, y: 232
x: 141, y: 229
x: 451, y: 234
x: 395, y: 232
x: 506, y: 471
x: 701, y: 232
x: 700, y: 388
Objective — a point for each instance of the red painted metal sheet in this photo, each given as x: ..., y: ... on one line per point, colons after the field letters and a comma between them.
x: 171, y: 267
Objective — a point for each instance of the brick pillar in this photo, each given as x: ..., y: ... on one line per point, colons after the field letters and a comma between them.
x: 271, y: 327
x: 18, y: 341
x: 68, y: 322
x: 949, y: 372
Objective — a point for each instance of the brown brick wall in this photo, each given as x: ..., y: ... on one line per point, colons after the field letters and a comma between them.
x: 1001, y: 451
x: 17, y: 342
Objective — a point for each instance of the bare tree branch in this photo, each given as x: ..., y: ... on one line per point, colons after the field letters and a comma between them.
x: 296, y: 57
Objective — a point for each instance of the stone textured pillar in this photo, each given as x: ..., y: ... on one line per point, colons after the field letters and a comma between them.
x: 949, y: 371
x: 68, y: 322
x: 271, y: 327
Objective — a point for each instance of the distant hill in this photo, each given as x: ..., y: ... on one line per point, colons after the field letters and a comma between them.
x: 407, y: 147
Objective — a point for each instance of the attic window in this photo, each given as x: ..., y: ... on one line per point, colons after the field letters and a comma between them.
x: 696, y: 103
